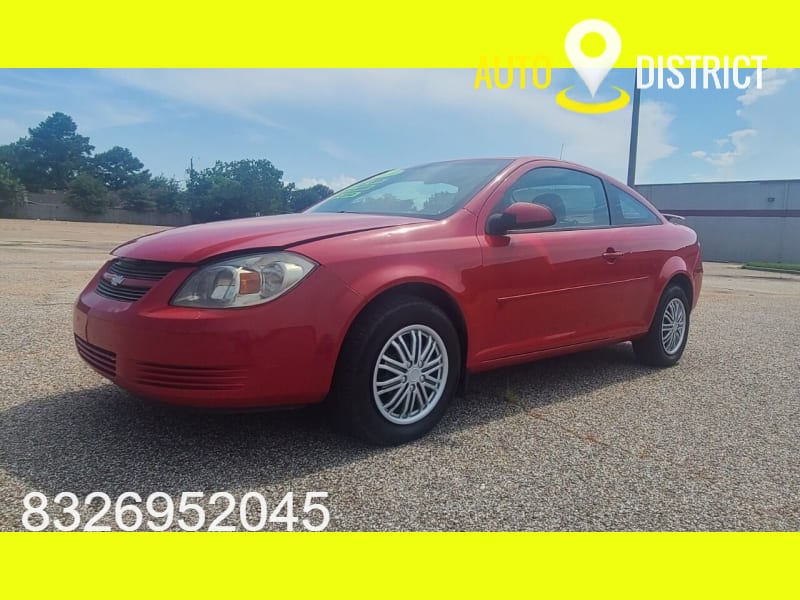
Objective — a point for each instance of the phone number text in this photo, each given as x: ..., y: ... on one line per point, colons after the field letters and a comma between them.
x: 191, y: 511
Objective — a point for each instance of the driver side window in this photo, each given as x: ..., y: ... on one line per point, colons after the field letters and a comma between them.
x: 577, y: 199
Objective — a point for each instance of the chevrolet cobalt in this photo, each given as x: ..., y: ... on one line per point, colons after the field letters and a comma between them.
x: 382, y: 298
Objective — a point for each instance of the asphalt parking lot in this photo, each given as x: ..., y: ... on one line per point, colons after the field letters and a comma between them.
x: 587, y: 442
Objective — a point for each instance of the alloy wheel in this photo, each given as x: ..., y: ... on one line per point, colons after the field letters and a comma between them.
x: 410, y: 374
x: 673, y: 326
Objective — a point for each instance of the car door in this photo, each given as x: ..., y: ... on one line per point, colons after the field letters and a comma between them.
x: 638, y: 234
x: 554, y: 286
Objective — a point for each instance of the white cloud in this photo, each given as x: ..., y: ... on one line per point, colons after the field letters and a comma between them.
x: 773, y: 81
x: 736, y: 141
x: 336, y: 183
x: 94, y: 115
x: 655, y: 119
x: 764, y: 144
x: 240, y: 92
x: 540, y: 126
x: 8, y: 90
x: 96, y: 109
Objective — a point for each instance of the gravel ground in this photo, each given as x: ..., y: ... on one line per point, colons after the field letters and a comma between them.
x: 588, y: 442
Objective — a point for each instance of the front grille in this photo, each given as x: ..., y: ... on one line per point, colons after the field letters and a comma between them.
x: 124, y: 270
x: 190, y: 378
x: 103, y: 360
x: 148, y: 270
x: 125, y: 293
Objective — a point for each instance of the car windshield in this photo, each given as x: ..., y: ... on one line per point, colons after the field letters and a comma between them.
x: 431, y: 191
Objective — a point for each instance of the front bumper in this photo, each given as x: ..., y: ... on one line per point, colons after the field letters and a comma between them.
x: 280, y: 353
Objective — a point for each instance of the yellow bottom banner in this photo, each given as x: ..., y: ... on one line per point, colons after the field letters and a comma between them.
x: 402, y: 565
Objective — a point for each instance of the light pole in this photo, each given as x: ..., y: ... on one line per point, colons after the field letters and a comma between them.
x: 634, y: 130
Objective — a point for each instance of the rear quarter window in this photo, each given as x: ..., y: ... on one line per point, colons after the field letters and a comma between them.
x: 627, y: 210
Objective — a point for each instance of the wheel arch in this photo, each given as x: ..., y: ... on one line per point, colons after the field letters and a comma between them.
x: 436, y: 295
x: 674, y: 271
x: 685, y: 283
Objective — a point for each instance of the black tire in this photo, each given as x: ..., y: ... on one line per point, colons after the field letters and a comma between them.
x: 650, y: 349
x: 352, y: 401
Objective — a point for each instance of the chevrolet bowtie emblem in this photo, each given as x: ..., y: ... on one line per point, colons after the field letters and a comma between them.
x: 117, y: 279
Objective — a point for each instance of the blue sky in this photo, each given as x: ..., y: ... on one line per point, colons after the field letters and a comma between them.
x: 336, y: 126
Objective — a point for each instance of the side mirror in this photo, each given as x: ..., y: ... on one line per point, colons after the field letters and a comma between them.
x: 520, y: 215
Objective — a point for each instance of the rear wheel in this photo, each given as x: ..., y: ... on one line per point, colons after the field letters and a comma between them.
x: 665, y: 341
x: 397, y: 372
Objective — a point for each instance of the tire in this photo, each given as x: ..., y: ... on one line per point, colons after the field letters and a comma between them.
x: 369, y: 374
x: 664, y: 345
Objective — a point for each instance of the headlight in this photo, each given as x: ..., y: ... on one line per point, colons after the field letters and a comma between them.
x: 243, y: 280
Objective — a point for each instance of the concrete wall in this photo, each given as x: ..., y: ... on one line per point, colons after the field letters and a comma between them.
x: 50, y: 206
x: 738, y: 221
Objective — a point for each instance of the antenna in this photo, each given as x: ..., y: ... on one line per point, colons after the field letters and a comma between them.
x: 561, y: 156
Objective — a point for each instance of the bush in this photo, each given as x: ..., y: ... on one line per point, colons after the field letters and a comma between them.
x: 11, y: 190
x: 159, y: 194
x: 88, y: 194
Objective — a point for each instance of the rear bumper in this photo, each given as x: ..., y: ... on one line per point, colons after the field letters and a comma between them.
x: 280, y: 353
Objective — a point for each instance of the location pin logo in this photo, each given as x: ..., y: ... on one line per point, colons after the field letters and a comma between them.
x: 593, y: 70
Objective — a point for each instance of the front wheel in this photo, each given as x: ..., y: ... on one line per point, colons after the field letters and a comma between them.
x: 398, y: 371
x: 665, y: 341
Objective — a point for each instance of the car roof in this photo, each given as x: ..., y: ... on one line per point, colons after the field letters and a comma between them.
x: 511, y: 159
x: 516, y: 161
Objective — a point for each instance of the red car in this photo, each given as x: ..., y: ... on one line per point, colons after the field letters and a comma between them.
x: 382, y: 298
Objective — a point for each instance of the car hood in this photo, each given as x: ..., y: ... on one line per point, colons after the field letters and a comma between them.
x: 195, y: 243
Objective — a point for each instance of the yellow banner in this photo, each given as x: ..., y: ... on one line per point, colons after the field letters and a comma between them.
x: 415, y: 33
x: 402, y: 565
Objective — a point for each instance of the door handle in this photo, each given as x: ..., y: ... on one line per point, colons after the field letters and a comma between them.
x: 611, y: 255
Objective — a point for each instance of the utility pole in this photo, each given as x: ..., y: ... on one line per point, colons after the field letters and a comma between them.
x: 634, y: 130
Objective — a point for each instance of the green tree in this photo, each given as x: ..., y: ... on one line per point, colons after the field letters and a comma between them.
x: 241, y: 188
x: 50, y: 156
x: 11, y: 190
x: 88, y: 194
x: 159, y: 193
x: 8, y: 155
x: 118, y: 168
x: 300, y: 200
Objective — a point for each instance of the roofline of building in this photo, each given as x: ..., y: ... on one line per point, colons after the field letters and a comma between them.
x: 723, y: 181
